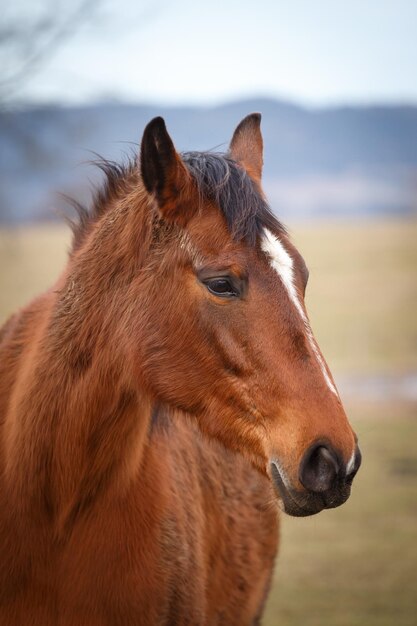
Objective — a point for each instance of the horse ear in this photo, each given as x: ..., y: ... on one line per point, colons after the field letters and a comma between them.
x: 164, y: 174
x: 246, y: 146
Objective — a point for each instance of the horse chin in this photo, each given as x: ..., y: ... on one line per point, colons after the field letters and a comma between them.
x: 299, y: 504
x: 291, y: 507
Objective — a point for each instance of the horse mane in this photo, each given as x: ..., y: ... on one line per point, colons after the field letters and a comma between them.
x: 218, y: 177
x: 118, y: 178
x: 244, y: 207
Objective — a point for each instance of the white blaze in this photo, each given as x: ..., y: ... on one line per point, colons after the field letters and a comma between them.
x: 282, y: 263
x: 351, y: 464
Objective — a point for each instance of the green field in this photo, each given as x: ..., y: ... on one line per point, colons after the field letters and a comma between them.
x: 356, y: 565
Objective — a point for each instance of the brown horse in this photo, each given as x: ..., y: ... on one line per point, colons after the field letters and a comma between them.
x: 159, y: 398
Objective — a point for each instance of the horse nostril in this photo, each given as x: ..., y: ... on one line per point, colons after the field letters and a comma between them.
x: 319, y: 469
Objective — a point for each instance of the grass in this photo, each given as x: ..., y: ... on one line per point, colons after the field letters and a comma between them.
x: 30, y: 261
x: 354, y: 566
x: 362, y: 294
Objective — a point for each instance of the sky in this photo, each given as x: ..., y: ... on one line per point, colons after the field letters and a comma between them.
x: 314, y: 52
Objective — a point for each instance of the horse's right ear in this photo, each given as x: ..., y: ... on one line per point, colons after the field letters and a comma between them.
x: 164, y: 174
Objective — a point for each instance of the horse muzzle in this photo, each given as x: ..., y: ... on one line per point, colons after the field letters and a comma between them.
x: 326, y: 481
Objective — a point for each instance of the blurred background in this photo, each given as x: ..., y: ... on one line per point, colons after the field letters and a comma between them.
x: 337, y: 86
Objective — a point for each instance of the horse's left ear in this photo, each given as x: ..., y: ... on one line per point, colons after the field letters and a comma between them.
x: 164, y: 174
x: 246, y: 146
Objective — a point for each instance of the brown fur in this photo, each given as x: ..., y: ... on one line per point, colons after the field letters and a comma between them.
x: 139, y: 414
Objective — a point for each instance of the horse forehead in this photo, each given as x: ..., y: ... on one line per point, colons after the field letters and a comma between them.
x: 268, y: 257
x: 277, y: 259
x: 279, y: 250
x: 209, y: 235
x: 213, y: 239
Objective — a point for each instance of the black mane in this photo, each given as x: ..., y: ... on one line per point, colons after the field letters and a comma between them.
x: 218, y: 178
x: 221, y: 179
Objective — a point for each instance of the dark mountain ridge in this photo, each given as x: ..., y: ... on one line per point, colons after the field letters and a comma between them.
x: 338, y: 160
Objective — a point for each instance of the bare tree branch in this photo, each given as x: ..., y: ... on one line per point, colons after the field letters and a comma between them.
x: 27, y: 41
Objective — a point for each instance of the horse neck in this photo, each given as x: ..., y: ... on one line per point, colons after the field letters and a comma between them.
x: 79, y: 420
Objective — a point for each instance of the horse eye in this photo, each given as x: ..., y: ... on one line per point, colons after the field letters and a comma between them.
x: 221, y: 287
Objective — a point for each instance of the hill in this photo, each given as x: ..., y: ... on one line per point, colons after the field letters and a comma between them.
x: 339, y: 161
